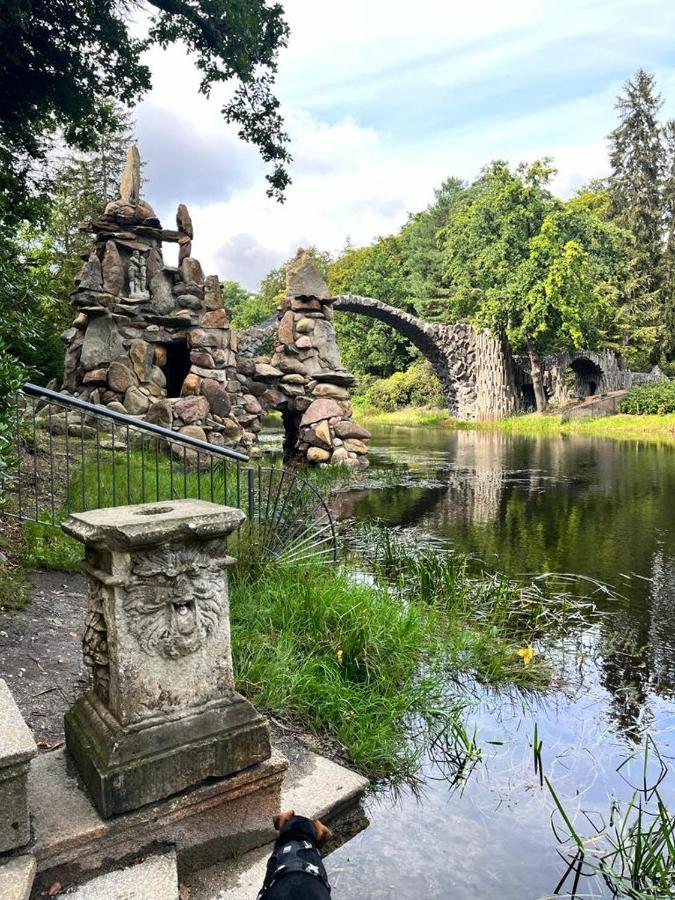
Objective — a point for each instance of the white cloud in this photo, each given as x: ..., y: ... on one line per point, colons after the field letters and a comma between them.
x: 383, y: 101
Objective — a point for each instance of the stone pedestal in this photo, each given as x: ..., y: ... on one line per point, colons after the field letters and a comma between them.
x: 162, y: 714
x: 17, y: 748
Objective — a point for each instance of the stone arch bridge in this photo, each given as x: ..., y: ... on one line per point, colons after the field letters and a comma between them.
x: 476, y: 371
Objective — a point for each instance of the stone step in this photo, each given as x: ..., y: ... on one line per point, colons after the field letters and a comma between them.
x: 314, y: 787
x: 16, y: 878
x: 155, y: 878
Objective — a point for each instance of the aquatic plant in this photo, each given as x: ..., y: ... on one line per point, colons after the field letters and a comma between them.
x: 633, y: 848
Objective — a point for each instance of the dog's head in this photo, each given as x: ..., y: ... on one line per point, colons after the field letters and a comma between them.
x: 321, y: 832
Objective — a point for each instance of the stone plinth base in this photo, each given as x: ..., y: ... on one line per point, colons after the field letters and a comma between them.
x: 126, y: 768
x: 205, y: 824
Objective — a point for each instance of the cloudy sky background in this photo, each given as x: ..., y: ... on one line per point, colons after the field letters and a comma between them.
x: 383, y: 99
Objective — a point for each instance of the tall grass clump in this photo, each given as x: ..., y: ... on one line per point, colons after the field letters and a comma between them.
x: 632, y: 847
x: 376, y: 660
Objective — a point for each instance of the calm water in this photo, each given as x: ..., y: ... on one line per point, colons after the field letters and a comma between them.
x: 596, y: 508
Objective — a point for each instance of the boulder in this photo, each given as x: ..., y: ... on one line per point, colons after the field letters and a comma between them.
x: 160, y: 413
x: 285, y: 330
x: 303, y: 278
x: 322, y: 431
x: 231, y: 429
x: 112, y: 270
x: 191, y: 409
x: 194, y: 431
x: 217, y: 318
x: 135, y: 402
x: 251, y: 405
x: 290, y: 364
x: 202, y: 358
x: 349, y: 429
x: 96, y: 376
x: 142, y: 355
x: 266, y: 372
x: 340, y: 455
x: 321, y: 409
x: 318, y: 455
x: 116, y: 406
x: 91, y: 277
x: 154, y: 263
x: 160, y: 356
x: 336, y: 377
x: 217, y: 397
x: 158, y: 378
x: 161, y: 297
x: 213, y: 297
x: 102, y: 343
x: 305, y: 326
x: 191, y: 270
x: 191, y: 385
x: 331, y: 390
x: 353, y: 445
x: 121, y: 377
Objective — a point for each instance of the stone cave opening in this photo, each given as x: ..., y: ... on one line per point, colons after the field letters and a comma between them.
x: 176, y: 367
x: 587, y: 378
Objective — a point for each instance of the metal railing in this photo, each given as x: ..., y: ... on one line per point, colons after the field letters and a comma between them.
x: 71, y: 455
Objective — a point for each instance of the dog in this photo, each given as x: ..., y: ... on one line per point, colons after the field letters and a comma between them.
x: 295, y: 870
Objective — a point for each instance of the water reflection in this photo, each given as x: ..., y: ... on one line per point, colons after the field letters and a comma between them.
x: 600, y: 509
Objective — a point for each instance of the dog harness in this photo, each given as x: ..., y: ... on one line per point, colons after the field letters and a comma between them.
x: 294, y: 851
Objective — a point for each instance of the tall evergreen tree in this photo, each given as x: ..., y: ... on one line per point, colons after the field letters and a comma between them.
x: 668, y: 288
x: 635, y: 185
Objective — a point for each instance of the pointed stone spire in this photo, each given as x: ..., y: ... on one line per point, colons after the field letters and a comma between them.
x: 130, y: 185
x: 303, y: 278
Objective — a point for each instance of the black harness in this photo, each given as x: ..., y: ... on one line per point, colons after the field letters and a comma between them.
x: 294, y: 851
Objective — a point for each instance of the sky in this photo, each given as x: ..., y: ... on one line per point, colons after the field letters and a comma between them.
x: 383, y: 100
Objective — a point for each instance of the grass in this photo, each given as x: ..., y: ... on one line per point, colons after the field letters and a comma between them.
x: 374, y: 664
x: 657, y: 428
x: 633, y: 848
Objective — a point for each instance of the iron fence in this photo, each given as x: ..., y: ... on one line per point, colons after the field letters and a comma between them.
x: 71, y: 455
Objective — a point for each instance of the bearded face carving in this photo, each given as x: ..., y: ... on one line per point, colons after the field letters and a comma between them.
x: 173, y: 606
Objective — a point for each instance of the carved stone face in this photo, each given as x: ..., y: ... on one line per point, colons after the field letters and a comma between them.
x: 173, y: 611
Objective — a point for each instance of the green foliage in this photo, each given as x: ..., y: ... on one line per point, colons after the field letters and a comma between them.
x: 245, y: 308
x: 367, y: 346
x: 426, y: 288
x: 360, y: 661
x: 650, y: 399
x: 59, y: 62
x: 417, y: 386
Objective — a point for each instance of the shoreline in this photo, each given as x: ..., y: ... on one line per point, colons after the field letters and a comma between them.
x: 654, y: 428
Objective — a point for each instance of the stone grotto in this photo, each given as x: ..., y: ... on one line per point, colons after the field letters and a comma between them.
x: 154, y: 341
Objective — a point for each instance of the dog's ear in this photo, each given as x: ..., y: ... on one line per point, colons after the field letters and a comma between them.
x: 280, y: 820
x: 322, y: 832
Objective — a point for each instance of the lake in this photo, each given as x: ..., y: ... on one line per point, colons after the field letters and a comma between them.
x: 602, y: 510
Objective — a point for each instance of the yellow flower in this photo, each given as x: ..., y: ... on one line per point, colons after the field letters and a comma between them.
x: 340, y: 655
x: 527, y: 654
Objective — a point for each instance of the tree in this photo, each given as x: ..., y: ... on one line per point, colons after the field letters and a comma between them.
x: 668, y: 287
x: 422, y: 252
x: 523, y: 263
x: 81, y: 186
x: 367, y: 346
x: 61, y: 59
x: 635, y: 185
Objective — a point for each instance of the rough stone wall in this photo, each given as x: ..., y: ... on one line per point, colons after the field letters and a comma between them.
x: 139, y: 319
x: 304, y: 379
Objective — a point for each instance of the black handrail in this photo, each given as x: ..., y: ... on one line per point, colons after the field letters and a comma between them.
x: 33, y: 390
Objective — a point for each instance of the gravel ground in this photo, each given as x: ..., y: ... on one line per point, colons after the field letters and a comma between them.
x: 41, y: 654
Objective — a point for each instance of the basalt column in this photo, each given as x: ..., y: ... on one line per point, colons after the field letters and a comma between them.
x: 305, y: 377
x: 162, y: 714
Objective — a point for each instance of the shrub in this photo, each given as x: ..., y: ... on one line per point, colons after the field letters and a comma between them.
x: 650, y: 399
x: 417, y: 386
